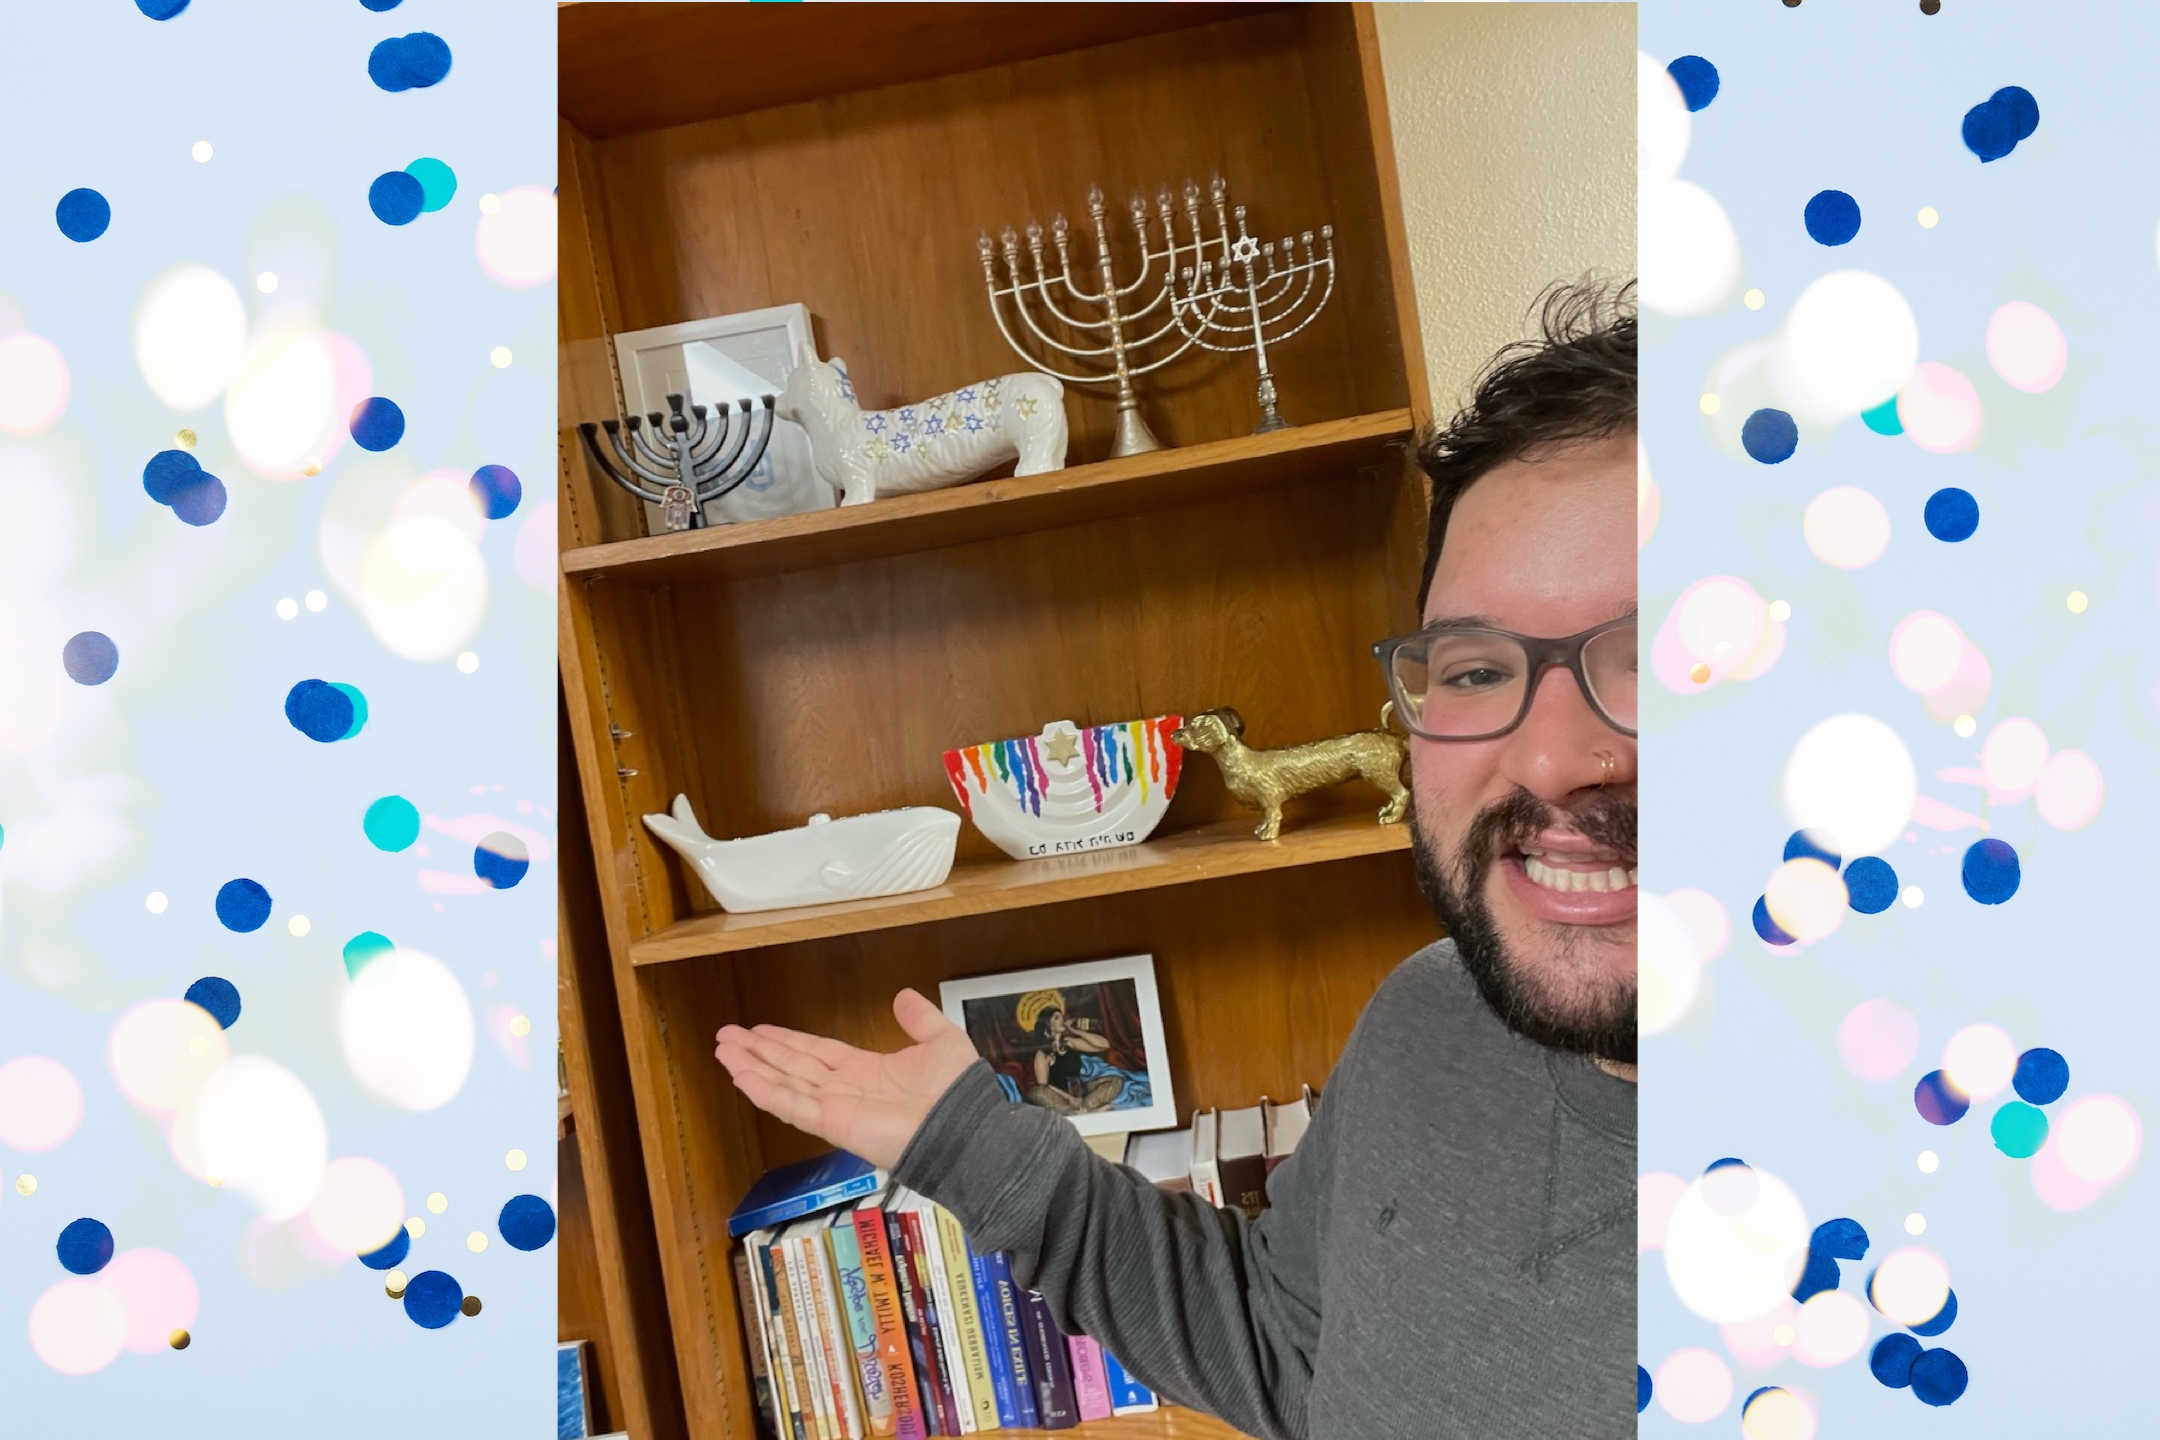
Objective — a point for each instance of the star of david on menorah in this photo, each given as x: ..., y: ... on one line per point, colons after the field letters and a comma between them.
x: 1219, y: 289
x: 680, y: 461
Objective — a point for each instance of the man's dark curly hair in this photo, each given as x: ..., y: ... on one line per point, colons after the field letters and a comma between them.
x: 1575, y: 382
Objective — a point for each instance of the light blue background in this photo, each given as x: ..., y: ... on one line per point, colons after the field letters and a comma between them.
x: 195, y: 759
x: 1868, y: 98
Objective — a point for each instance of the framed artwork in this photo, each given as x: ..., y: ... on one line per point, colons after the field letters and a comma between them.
x: 1084, y: 1040
x: 718, y: 361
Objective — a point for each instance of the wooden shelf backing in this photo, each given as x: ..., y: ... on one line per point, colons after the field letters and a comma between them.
x: 1209, y: 852
x: 1078, y: 494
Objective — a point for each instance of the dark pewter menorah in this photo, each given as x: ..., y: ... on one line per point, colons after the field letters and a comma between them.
x: 679, y: 461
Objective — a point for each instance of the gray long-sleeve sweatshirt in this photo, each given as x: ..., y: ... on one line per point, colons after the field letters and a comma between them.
x: 1450, y: 1251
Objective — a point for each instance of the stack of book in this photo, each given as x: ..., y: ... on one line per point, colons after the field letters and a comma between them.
x: 870, y: 1313
x: 1226, y: 1155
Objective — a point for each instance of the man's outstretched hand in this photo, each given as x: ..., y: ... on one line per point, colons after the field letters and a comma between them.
x: 859, y: 1100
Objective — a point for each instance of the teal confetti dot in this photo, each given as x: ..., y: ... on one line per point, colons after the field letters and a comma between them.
x: 359, y: 708
x: 438, y: 182
x: 391, y: 823
x: 2019, y: 1130
x: 364, y: 950
x: 1883, y: 418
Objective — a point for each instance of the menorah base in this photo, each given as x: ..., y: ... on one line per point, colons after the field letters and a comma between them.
x: 1271, y: 419
x: 1133, y: 436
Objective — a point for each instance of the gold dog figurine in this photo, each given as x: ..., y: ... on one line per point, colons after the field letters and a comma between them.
x: 1266, y: 779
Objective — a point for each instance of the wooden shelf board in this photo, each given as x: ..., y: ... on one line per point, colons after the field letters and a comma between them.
x: 1135, y: 485
x: 1168, y: 1423
x: 1185, y: 857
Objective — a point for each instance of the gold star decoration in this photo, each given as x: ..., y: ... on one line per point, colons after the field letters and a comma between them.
x: 1026, y: 405
x: 1063, y: 747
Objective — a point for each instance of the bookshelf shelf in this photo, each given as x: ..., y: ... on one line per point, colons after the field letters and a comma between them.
x: 1208, y: 852
x: 1107, y: 489
x: 1168, y: 1423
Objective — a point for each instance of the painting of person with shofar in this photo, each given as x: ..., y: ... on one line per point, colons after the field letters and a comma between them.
x: 1077, y: 1050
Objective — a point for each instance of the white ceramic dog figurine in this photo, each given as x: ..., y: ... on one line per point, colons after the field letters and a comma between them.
x: 930, y: 444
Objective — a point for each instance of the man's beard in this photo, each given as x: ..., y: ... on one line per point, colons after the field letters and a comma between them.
x: 1603, y: 1026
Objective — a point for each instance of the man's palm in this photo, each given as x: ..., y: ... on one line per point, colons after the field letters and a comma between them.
x: 859, y: 1100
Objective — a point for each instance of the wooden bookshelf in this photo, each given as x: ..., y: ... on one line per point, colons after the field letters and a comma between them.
x: 824, y: 662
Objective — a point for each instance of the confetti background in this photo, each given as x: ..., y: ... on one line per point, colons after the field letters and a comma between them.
x: 276, y: 645
x: 1901, y: 511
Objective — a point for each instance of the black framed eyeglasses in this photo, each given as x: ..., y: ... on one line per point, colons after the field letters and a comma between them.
x: 1465, y: 682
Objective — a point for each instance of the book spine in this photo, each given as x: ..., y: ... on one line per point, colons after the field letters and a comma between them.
x: 911, y: 1317
x: 1091, y: 1388
x: 945, y: 1320
x: 928, y: 1353
x: 1244, y: 1184
x: 887, y: 1318
x: 855, y: 1306
x: 974, y: 1344
x: 818, y: 1336
x: 1127, y: 1395
x: 1008, y: 1413
x: 1008, y: 1314
x: 798, y: 1339
x: 753, y: 1318
x: 839, y: 1341
x: 794, y: 1207
x: 785, y: 1394
x: 1053, y: 1371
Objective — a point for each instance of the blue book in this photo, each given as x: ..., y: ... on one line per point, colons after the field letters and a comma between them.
x: 1001, y: 1380
x: 1127, y: 1395
x: 573, y: 1406
x: 1006, y: 1307
x: 804, y: 1188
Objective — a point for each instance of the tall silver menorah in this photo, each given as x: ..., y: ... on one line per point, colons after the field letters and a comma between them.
x: 679, y: 461
x: 1218, y: 291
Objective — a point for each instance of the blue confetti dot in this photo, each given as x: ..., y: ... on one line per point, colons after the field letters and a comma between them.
x: 1990, y: 130
x: 319, y: 710
x: 1870, y: 885
x: 1990, y: 871
x: 1941, y: 1320
x: 432, y: 1299
x: 1726, y: 1163
x: 1820, y: 1274
x: 527, y: 1222
x: 409, y: 62
x: 1883, y: 418
x: 2042, y: 1076
x: 1938, y: 1101
x: 501, y: 859
x: 1697, y: 79
x: 161, y: 9
x: 1833, y: 217
x: 2024, y: 110
x: 215, y: 993
x: 1769, y: 436
x: 83, y: 215
x: 1892, y: 1360
x: 242, y: 905
x: 391, y: 1253
x: 1841, y: 1239
x: 495, y: 489
x: 396, y: 197
x: 1952, y: 514
x: 168, y: 472
x: 90, y: 658
x: 86, y: 1246
x: 1642, y: 1389
x: 1813, y: 845
x: 1768, y: 928
x: 379, y: 5
x: 377, y: 424
x: 359, y: 708
x: 438, y: 182
x: 201, y: 501
x: 1938, y: 1377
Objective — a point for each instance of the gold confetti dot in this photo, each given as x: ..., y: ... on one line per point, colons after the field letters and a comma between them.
x: 1964, y: 725
x: 394, y: 1284
x: 1780, y: 611
x: 519, y: 1025
x: 515, y: 1159
x: 298, y: 926
x: 415, y: 1226
x: 467, y: 661
x: 1699, y: 673
x: 266, y: 282
x: 155, y: 902
x: 1709, y: 404
x: 199, y: 1046
x: 26, y: 1184
x: 213, y: 1180
x: 186, y: 439
x: 179, y: 1339
x: 499, y: 357
x: 1783, y: 1335
x: 1929, y: 1162
x: 437, y: 1203
x: 1928, y: 217
x: 2077, y: 602
x: 476, y: 1242
x: 1753, y: 299
x: 1915, y: 1223
x: 489, y: 204
x: 201, y: 151
x: 312, y: 468
x: 470, y: 1305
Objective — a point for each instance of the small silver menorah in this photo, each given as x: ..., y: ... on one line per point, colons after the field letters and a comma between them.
x: 687, y: 460
x: 1236, y: 298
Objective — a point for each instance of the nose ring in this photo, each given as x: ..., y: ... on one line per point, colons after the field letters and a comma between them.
x: 1611, y: 764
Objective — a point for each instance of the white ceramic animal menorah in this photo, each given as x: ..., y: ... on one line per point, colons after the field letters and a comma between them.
x: 930, y: 444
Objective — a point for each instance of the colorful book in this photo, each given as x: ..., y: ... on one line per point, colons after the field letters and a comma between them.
x: 906, y: 1230
x: 889, y: 1319
x: 786, y: 1395
x: 1001, y: 1381
x: 1091, y: 1387
x: 1051, y: 1365
x: 1007, y: 1310
x: 816, y: 1350
x: 855, y: 1309
x: 760, y: 1352
x: 1127, y: 1395
x: 573, y: 1398
x: 944, y: 1319
x: 833, y: 1330
x: 804, y: 1378
x: 967, y: 1317
x: 804, y: 1188
x: 1241, y: 1159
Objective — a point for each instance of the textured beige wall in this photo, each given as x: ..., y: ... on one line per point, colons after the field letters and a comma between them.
x: 1515, y: 141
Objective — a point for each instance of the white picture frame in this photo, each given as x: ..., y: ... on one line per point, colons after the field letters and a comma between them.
x: 717, y: 361
x: 988, y: 1008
